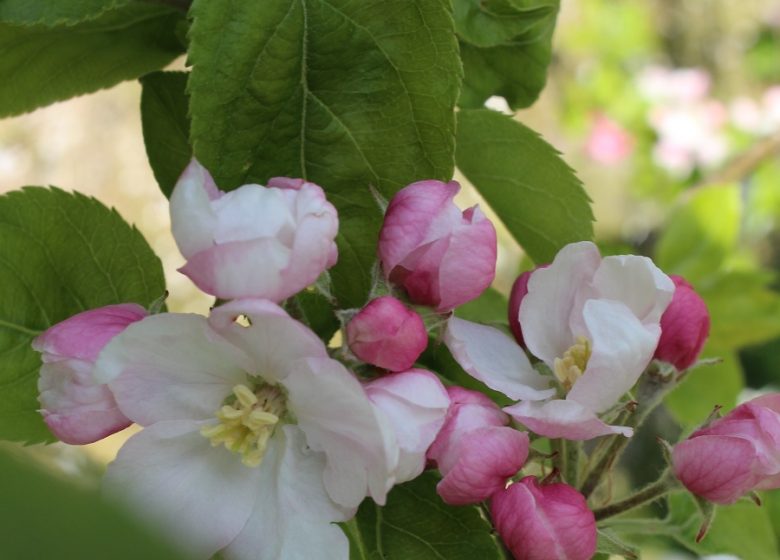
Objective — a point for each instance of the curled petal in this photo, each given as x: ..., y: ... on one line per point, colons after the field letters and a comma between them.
x: 563, y: 419
x: 193, y: 220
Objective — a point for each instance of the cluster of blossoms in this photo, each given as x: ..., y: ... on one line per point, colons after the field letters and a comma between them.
x: 256, y: 440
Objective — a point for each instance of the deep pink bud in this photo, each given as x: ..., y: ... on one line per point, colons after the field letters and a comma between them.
x: 387, y: 334
x: 539, y: 522
x: 685, y: 326
x: 519, y: 290
x: 76, y: 408
x: 442, y: 257
x: 735, y: 454
x: 475, y: 450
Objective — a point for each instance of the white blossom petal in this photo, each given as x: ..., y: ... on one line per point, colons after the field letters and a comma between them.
x: 560, y: 418
x: 192, y: 218
x: 495, y: 359
x: 171, y: 477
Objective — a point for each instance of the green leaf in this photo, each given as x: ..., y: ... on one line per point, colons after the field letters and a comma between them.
x: 609, y: 543
x: 345, y: 94
x: 61, y: 254
x: 314, y: 309
x: 705, y: 387
x: 46, y: 12
x: 490, y: 308
x: 701, y: 234
x: 534, y: 192
x: 166, y: 127
x: 416, y: 525
x: 119, y: 45
x: 506, y: 50
x: 45, y: 517
x: 742, y: 529
x: 489, y: 23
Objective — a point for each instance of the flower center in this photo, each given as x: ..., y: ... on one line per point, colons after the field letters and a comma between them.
x: 246, y: 426
x: 571, y: 367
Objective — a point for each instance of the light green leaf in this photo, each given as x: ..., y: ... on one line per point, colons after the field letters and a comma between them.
x: 60, y: 254
x: 742, y: 529
x: 166, y: 127
x: 489, y: 308
x: 416, y: 525
x: 44, y: 517
x: 705, y: 387
x: 489, y: 23
x: 534, y: 192
x: 119, y: 45
x: 700, y: 234
x: 346, y: 94
x: 46, y: 12
x: 608, y: 543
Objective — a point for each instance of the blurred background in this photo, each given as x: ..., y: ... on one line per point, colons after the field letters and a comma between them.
x: 669, y: 110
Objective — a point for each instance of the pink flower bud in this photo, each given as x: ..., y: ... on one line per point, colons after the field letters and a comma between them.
x: 685, y: 326
x: 260, y: 242
x: 76, y: 408
x: 735, y: 454
x: 387, y: 334
x: 519, y: 290
x: 539, y: 522
x: 442, y: 257
x: 475, y: 450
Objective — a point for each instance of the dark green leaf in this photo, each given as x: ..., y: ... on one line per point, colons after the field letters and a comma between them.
x: 164, y: 104
x: 742, y: 529
x: 346, y: 94
x: 534, y: 192
x: 45, y: 517
x: 40, y: 65
x: 490, y: 308
x: 489, y: 23
x: 416, y: 525
x: 46, y: 12
x: 60, y: 254
x: 314, y: 309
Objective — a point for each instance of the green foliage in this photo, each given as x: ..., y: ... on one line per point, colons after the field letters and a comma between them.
x: 346, y: 94
x: 416, y: 525
x: 608, y: 543
x: 489, y: 308
x: 705, y: 387
x: 60, y: 254
x: 42, y: 64
x: 534, y: 192
x: 45, y: 517
x: 314, y: 309
x: 43, y: 12
x: 166, y: 127
x: 742, y: 529
x: 506, y: 47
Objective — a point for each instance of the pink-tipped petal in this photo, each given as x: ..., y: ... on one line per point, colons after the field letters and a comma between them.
x: 193, y: 219
x: 565, y: 419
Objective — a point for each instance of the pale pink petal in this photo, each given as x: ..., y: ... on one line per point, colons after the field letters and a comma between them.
x: 171, y: 477
x: 74, y: 407
x: 273, y: 340
x: 469, y: 265
x: 622, y: 347
x: 419, y: 273
x: 171, y: 367
x: 565, y: 419
x: 335, y: 414
x: 554, y: 297
x: 487, y: 458
x: 253, y: 212
x: 717, y: 468
x: 84, y: 335
x: 410, y: 216
x: 495, y: 359
x: 544, y: 522
x: 415, y: 403
x: 636, y: 282
x: 193, y: 220
x: 293, y: 517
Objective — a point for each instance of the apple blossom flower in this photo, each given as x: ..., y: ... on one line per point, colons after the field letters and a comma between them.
x: 735, y: 454
x: 543, y: 521
x: 246, y: 447
x: 476, y: 451
x: 593, y: 321
x: 75, y: 408
x: 387, y: 334
x: 415, y: 403
x: 674, y: 85
x: 442, y: 256
x: 608, y: 142
x: 253, y: 242
x: 685, y: 326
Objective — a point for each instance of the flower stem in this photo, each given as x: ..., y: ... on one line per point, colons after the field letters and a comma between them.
x: 667, y: 483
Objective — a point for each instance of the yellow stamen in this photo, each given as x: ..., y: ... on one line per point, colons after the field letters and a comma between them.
x: 246, y: 426
x: 571, y: 367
